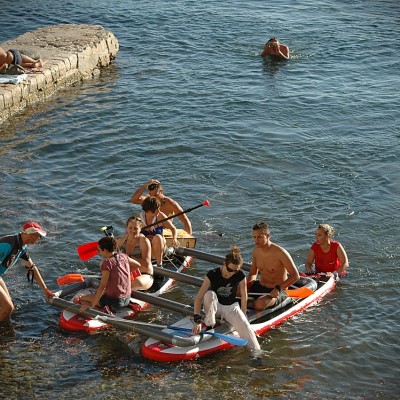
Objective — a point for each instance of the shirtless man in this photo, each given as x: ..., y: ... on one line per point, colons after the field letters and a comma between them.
x: 275, y: 50
x: 16, y: 58
x: 276, y: 268
x: 168, y: 206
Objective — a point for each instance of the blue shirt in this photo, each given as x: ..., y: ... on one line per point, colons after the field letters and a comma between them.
x: 11, y: 250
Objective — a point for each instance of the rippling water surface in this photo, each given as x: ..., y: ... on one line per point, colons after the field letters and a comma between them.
x: 189, y: 101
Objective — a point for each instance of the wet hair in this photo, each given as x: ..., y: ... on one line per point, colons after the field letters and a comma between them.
x: 234, y: 257
x: 261, y: 226
x: 153, y: 186
x: 135, y: 218
x: 108, y: 243
x: 273, y: 39
x: 151, y: 204
x: 329, y: 231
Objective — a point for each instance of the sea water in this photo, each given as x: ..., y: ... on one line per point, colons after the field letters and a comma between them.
x: 189, y: 101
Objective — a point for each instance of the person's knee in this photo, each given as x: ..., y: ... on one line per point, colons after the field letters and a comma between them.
x: 209, y: 296
x: 6, y: 310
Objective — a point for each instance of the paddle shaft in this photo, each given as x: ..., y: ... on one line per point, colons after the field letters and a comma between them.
x: 173, y: 216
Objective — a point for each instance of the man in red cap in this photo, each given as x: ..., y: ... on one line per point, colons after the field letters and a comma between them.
x: 13, y: 248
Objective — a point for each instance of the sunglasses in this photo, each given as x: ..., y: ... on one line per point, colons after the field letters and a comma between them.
x: 230, y: 270
x: 152, y: 186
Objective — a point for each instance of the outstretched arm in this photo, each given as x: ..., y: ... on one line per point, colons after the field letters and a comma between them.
x: 38, y: 277
x: 198, y: 301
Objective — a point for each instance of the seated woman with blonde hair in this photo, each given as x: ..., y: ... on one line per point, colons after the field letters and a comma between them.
x: 138, y: 247
x: 326, y: 254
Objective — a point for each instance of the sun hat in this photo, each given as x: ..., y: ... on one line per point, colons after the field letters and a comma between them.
x: 33, y: 227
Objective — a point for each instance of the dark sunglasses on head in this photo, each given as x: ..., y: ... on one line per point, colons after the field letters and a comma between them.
x: 152, y: 186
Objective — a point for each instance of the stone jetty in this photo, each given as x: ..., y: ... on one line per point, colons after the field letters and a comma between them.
x: 71, y: 52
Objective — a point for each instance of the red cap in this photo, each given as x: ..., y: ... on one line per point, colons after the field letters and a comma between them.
x: 33, y: 227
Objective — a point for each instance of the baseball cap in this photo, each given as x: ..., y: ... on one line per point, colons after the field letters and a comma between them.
x: 33, y: 227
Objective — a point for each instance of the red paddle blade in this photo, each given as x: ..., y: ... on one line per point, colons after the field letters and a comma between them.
x: 206, y: 203
x: 69, y: 278
x: 87, y: 250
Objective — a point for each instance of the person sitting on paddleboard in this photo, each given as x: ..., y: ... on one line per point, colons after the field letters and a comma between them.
x: 218, y: 293
x: 326, y: 254
x: 138, y: 247
x: 114, y: 291
x: 13, y: 248
x: 275, y: 266
x: 275, y: 50
x: 167, y: 205
x: 150, y: 215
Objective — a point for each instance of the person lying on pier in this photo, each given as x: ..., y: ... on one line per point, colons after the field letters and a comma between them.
x: 167, y: 205
x: 275, y: 266
x: 326, y: 254
x: 275, y: 50
x: 138, y: 247
x: 14, y: 57
x: 218, y: 293
x: 114, y: 291
x: 150, y: 215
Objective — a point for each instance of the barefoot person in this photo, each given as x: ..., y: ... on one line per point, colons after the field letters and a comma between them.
x: 326, y: 254
x: 138, y: 247
x: 114, y: 291
x: 218, y: 293
x: 275, y: 50
x: 168, y: 206
x: 275, y: 266
x: 14, y: 57
x: 13, y: 248
x: 150, y: 215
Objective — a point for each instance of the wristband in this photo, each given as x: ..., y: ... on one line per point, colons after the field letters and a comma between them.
x: 197, y: 318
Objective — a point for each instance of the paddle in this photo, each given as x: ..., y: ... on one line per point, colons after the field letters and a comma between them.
x: 237, y: 341
x: 204, y: 203
x: 300, y: 293
x: 74, y: 278
x: 89, y: 250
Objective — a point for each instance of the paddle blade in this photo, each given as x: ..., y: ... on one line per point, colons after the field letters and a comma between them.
x: 206, y: 203
x: 69, y: 278
x: 300, y: 293
x: 87, y: 250
x: 237, y: 341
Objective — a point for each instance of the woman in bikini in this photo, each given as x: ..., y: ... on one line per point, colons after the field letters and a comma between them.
x: 150, y: 215
x: 138, y: 247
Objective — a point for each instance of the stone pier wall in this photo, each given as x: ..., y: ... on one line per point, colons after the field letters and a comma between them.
x: 72, y: 53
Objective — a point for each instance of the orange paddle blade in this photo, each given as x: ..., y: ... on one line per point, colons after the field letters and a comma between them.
x: 300, y: 293
x: 87, y: 250
x: 69, y: 278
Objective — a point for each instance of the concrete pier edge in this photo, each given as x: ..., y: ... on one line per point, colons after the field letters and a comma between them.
x: 71, y: 52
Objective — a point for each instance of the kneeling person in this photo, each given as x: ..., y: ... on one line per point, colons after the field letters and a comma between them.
x: 114, y: 291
